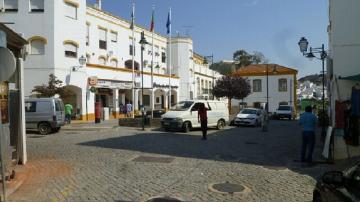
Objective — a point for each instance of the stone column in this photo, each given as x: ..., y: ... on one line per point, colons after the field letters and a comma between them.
x: 166, y: 99
x: 152, y: 99
x: 136, y: 100
x: 115, y: 101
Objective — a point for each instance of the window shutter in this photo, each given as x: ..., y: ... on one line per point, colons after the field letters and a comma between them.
x: 113, y: 36
x: 70, y: 47
x: 37, y: 4
x: 11, y: 4
x: 70, y: 10
x: 37, y: 47
x: 102, y: 35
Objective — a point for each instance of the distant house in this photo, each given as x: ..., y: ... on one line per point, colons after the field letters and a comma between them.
x: 279, y: 88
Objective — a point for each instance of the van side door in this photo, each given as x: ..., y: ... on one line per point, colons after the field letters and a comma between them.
x: 194, y: 114
x: 30, y: 114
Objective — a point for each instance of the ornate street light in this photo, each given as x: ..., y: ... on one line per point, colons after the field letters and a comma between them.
x: 303, y: 44
x: 142, y: 42
x: 82, y: 60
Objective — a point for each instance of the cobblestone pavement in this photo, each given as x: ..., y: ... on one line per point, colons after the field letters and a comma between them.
x: 100, y: 165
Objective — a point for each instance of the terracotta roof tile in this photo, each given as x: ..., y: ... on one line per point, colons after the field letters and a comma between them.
x: 260, y: 69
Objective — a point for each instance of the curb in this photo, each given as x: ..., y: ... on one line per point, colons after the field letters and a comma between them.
x: 16, y: 183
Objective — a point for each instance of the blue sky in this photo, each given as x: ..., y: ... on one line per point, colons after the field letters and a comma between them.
x: 272, y: 27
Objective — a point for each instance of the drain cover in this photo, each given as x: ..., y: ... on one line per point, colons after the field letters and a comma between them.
x: 151, y: 159
x: 228, y: 187
x: 163, y: 199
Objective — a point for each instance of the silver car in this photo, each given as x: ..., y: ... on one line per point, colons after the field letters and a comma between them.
x: 249, y: 116
x: 44, y: 114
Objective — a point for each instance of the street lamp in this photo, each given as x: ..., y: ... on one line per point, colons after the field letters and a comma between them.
x: 274, y: 71
x: 303, y: 44
x: 82, y: 61
x: 142, y: 42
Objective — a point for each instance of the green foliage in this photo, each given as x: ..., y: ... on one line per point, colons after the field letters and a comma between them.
x: 52, y: 88
x: 231, y: 87
x: 223, y: 68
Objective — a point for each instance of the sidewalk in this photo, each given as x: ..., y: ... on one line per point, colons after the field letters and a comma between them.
x: 108, y: 124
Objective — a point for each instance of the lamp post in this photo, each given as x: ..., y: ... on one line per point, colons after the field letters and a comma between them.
x: 265, y: 125
x: 303, y: 45
x: 142, y: 42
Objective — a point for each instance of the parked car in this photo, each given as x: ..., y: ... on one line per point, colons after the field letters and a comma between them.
x: 339, y: 186
x: 285, y: 111
x: 44, y: 114
x: 249, y: 116
x: 184, y: 115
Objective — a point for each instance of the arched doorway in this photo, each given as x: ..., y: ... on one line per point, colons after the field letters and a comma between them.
x: 73, y: 96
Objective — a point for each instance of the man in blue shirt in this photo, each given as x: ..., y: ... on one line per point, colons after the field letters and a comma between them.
x: 308, y: 123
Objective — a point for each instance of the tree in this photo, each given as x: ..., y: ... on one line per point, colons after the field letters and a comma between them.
x: 222, y: 67
x: 231, y: 87
x: 243, y: 58
x: 53, y: 87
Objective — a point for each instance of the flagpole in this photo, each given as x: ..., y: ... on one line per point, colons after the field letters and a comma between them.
x: 152, y: 63
x: 170, y: 60
x: 133, y: 60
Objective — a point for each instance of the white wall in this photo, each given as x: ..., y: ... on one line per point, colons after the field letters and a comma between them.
x: 275, y: 97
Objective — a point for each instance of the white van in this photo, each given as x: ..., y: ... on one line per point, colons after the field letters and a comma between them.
x: 184, y: 115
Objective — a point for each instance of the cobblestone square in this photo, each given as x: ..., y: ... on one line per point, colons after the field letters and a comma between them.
x: 99, y: 165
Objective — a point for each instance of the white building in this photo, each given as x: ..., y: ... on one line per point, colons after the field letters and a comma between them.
x: 309, y: 90
x: 343, y: 64
x: 60, y: 32
x: 281, y: 86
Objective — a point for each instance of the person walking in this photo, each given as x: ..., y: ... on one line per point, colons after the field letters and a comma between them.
x: 128, y: 109
x: 202, y: 118
x: 68, y: 112
x: 308, y: 122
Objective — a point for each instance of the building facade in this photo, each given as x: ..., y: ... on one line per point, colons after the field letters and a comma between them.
x: 61, y: 32
x: 279, y: 87
x: 344, y: 74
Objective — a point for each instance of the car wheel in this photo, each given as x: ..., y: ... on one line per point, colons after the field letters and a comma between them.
x: 44, y: 128
x: 186, y: 127
x: 220, y: 124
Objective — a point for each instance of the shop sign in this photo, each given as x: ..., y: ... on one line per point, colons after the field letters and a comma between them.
x: 114, y: 84
x: 156, y: 85
x: 4, y: 102
x: 93, y: 81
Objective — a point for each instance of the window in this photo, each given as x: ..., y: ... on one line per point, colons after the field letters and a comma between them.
x: 87, y: 34
x: 102, y: 39
x: 37, y: 6
x: 102, y: 61
x: 163, y: 57
x: 257, y: 85
x: 131, y: 50
x: 30, y: 106
x: 156, y: 51
x: 37, y: 47
x: 113, y: 36
x: 70, y: 49
x: 70, y: 10
x: 11, y: 5
x: 114, y: 63
x: 282, y: 85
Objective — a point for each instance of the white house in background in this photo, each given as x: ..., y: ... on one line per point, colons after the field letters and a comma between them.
x: 309, y: 90
x: 343, y: 62
x: 62, y: 31
x: 282, y: 86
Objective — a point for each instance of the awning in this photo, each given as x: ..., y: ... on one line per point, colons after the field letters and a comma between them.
x: 352, y: 78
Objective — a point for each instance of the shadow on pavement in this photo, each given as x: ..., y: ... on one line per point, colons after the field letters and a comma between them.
x: 274, y: 150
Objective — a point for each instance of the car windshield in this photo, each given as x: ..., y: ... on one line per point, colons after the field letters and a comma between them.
x: 248, y: 111
x: 284, y: 108
x: 182, y: 106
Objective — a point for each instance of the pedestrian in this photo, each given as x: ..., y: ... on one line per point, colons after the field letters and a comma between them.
x: 128, y: 109
x: 68, y: 113
x: 202, y: 118
x: 308, y: 122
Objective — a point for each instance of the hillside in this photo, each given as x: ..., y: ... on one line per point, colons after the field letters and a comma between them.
x: 314, y: 78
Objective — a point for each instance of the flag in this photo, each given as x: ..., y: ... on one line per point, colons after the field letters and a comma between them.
x: 152, y: 24
x: 168, y: 23
x: 132, y: 18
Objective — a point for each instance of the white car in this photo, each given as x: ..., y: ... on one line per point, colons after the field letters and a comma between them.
x: 184, y: 115
x: 249, y: 116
